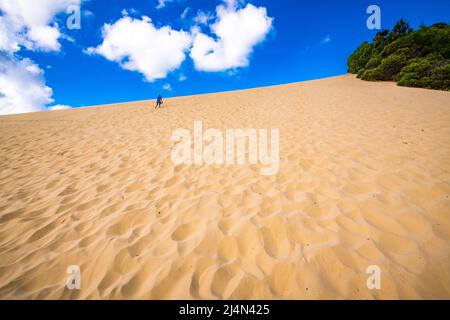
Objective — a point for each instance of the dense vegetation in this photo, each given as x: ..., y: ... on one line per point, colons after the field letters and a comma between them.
x: 419, y: 58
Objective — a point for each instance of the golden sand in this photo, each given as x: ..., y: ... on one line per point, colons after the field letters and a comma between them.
x: 364, y: 180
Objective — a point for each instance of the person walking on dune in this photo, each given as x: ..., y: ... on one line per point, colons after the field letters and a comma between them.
x: 159, y: 101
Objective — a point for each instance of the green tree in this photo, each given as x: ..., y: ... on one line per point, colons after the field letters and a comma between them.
x: 401, y: 29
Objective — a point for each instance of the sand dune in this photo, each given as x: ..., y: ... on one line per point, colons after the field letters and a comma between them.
x: 364, y: 180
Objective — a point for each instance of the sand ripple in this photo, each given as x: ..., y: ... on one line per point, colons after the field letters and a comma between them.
x: 364, y: 180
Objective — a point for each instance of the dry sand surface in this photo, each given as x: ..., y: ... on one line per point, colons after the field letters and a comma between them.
x: 364, y: 180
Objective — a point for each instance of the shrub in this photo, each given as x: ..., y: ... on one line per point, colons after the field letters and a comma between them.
x: 359, y: 58
x: 374, y: 62
x: 391, y: 66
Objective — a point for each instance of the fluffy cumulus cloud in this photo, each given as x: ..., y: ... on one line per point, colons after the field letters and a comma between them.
x: 9, y: 41
x: 29, y: 24
x: 237, y: 30
x: 152, y: 51
x: 22, y: 86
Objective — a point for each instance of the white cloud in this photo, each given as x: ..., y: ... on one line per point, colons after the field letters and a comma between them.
x: 22, y: 86
x: 162, y: 3
x: 167, y: 87
x: 203, y: 17
x: 185, y: 13
x: 88, y: 13
x: 232, y: 4
x: 59, y: 107
x: 326, y: 40
x: 29, y: 24
x: 151, y: 51
x: 8, y: 40
x: 45, y: 37
x: 237, y: 31
x: 129, y: 12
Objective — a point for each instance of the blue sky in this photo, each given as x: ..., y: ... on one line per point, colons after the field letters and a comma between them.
x: 305, y: 40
